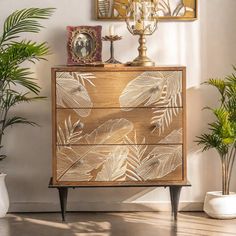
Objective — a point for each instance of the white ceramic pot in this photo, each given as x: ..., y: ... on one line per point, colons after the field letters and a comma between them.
x: 220, y: 206
x: 4, y: 199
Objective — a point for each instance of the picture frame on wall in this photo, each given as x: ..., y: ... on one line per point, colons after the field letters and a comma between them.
x: 167, y: 9
x: 84, y: 44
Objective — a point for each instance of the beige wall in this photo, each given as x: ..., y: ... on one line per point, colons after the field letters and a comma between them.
x: 206, y: 46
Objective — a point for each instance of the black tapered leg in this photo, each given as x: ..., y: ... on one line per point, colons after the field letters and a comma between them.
x: 63, y: 192
x: 172, y: 202
x: 174, y: 196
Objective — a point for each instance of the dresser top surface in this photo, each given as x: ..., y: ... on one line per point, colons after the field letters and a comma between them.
x: 117, y: 68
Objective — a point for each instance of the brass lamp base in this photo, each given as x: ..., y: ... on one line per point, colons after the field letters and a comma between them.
x: 142, y: 59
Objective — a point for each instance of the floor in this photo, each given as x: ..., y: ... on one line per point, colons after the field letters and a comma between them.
x: 114, y: 224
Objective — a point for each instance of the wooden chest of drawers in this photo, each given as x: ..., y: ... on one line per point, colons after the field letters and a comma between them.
x: 118, y: 126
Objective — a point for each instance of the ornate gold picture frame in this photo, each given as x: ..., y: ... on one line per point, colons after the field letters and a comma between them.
x: 84, y: 44
x: 168, y: 9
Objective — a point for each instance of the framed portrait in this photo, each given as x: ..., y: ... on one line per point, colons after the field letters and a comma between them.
x: 167, y: 9
x: 84, y: 44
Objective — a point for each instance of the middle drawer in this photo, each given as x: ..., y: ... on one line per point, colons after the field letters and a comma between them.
x: 114, y: 126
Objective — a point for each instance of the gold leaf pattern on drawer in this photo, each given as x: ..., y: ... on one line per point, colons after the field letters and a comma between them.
x: 114, y: 168
x: 161, y: 89
x: 77, y: 163
x: 157, y: 163
x: 163, y: 117
x: 131, y: 161
x: 116, y: 163
x: 112, y: 131
x: 71, y: 91
x: 160, y: 162
x: 137, y: 153
x: 68, y: 135
x: 128, y: 133
x: 176, y: 136
x: 139, y: 118
x: 152, y: 88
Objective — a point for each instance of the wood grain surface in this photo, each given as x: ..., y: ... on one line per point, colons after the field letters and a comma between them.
x: 120, y: 89
x: 119, y: 163
x: 118, y: 123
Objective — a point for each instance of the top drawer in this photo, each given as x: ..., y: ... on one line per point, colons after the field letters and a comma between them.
x: 118, y: 89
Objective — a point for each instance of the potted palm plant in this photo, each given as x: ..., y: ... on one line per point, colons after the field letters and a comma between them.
x: 222, y: 138
x: 13, y: 52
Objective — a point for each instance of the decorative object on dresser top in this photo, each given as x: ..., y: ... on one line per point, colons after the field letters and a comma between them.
x: 167, y: 9
x: 222, y: 138
x: 119, y: 127
x: 112, y: 39
x: 16, y: 84
x: 84, y: 44
x: 141, y: 19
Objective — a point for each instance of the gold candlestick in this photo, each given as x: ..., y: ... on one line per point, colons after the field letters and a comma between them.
x: 112, y: 39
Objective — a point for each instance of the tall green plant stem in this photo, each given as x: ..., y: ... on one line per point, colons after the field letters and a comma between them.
x: 227, y: 162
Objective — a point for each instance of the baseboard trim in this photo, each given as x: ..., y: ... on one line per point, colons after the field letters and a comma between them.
x: 103, y: 206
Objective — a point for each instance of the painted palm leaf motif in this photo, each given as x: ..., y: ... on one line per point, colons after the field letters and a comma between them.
x: 111, y: 132
x: 70, y: 135
x: 72, y: 92
x: 145, y: 90
x: 174, y: 137
x: 104, y: 8
x: 160, y: 162
x: 79, y: 168
x: 114, y: 168
x: 84, y: 77
x: 168, y: 106
x: 161, y: 90
x: 144, y: 165
x: 135, y: 157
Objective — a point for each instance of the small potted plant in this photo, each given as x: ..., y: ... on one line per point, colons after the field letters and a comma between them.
x: 222, y: 138
x: 13, y: 52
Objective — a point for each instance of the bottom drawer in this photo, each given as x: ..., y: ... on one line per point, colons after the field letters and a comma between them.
x: 119, y: 163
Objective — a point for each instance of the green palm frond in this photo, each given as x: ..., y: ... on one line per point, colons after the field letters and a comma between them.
x: 231, y: 106
x: 232, y: 78
x: 17, y: 120
x: 209, y: 141
x: 12, y: 54
x: 219, y: 84
x: 222, y: 115
x: 13, y: 98
x: 20, y: 76
x: 19, y: 52
x: 223, y: 130
x: 21, y: 21
x: 230, y: 90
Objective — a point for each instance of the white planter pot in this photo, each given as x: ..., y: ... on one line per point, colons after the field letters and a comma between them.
x: 220, y: 206
x: 4, y: 199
